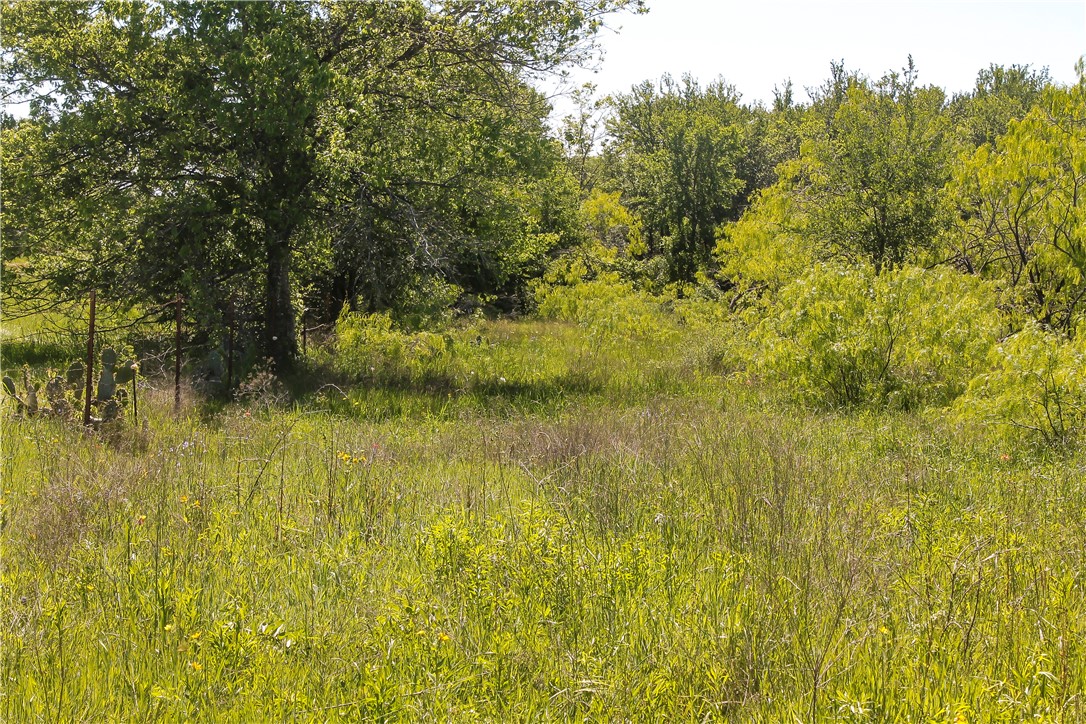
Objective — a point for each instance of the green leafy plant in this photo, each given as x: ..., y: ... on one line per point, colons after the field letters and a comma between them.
x: 369, y: 346
x: 1022, y: 220
x: 1036, y: 388
x: 843, y: 336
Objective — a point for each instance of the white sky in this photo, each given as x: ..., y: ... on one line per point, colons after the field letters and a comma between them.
x: 757, y: 44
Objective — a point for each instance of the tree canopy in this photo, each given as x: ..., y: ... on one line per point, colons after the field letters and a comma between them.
x: 270, y: 160
x: 217, y: 149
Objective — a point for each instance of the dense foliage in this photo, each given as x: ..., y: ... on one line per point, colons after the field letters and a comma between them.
x: 389, y: 166
x: 279, y: 154
x: 790, y: 424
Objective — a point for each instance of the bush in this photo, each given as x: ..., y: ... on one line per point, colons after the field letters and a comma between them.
x: 370, y: 346
x: 766, y: 249
x: 1036, y: 389
x: 846, y: 336
x: 585, y: 288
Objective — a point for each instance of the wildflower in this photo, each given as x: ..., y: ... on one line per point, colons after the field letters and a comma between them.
x: 184, y: 498
x: 141, y: 519
x: 169, y: 627
x: 443, y: 637
x: 195, y: 665
x: 196, y: 503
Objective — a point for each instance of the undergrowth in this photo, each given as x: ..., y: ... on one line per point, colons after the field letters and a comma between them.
x: 537, y: 524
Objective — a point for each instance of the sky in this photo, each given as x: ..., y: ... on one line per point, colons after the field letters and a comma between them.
x: 758, y: 44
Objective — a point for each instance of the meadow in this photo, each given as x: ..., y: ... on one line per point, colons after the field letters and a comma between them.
x: 686, y: 406
x: 536, y: 520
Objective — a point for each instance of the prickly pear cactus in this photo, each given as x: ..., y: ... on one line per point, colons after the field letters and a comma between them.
x: 126, y: 372
x: 111, y: 410
x: 107, y: 384
x: 110, y: 399
x: 9, y: 387
x: 32, y: 398
x: 58, y: 401
x: 75, y: 374
x: 76, y: 379
x: 28, y: 403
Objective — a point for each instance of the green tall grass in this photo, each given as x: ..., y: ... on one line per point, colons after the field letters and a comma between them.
x: 542, y: 525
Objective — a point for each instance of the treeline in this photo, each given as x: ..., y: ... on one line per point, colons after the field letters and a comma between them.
x: 882, y: 172
x: 879, y: 244
x: 270, y: 162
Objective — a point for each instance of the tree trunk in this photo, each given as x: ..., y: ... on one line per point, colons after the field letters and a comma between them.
x: 280, y: 337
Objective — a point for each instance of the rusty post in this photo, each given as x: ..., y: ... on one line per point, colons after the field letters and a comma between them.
x: 177, y: 361
x: 230, y: 349
x: 90, y: 364
x: 135, y: 406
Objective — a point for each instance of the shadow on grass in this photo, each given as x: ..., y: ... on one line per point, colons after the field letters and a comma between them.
x: 400, y: 396
x: 35, y: 354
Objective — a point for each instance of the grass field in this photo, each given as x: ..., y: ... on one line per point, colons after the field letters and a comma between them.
x: 538, y: 525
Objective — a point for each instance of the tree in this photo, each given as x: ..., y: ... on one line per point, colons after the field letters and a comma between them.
x: 873, y: 160
x: 677, y: 148
x: 1022, y: 217
x: 611, y: 224
x: 582, y: 133
x: 178, y: 147
x: 1001, y: 95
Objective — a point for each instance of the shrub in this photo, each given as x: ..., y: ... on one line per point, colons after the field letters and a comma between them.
x: 766, y: 248
x: 369, y: 345
x: 612, y: 224
x: 585, y: 288
x: 1036, y: 388
x: 846, y: 336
